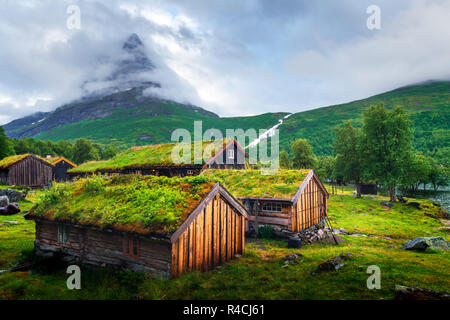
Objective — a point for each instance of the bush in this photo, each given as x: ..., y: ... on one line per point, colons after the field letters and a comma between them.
x: 266, y: 232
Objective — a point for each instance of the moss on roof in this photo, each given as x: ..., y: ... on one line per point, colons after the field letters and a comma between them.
x: 251, y: 183
x: 9, y: 161
x: 146, y: 156
x: 133, y: 203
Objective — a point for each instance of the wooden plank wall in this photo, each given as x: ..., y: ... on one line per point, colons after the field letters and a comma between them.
x: 310, y: 208
x: 97, y: 247
x: 215, y: 236
x: 279, y: 219
x: 30, y: 172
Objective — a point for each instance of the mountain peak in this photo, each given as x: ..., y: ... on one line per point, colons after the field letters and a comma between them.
x: 132, y: 42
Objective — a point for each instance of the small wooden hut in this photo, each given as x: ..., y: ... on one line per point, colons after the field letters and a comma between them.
x: 292, y: 200
x: 25, y: 170
x: 157, y: 160
x: 175, y: 224
x: 60, y: 167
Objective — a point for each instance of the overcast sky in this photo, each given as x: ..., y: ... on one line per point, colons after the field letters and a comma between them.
x: 238, y: 57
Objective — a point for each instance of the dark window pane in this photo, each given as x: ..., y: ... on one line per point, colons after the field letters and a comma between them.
x: 126, y: 245
x: 135, y: 246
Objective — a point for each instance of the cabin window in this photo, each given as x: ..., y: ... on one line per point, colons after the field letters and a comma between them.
x: 230, y: 154
x: 130, y: 246
x: 62, y: 233
x: 271, y: 206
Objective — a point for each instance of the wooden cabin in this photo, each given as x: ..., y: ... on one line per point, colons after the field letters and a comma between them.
x: 60, y: 167
x: 25, y: 170
x: 157, y: 160
x: 369, y: 188
x: 293, y: 200
x: 194, y: 224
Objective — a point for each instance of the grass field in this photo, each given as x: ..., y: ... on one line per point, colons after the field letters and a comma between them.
x: 259, y: 274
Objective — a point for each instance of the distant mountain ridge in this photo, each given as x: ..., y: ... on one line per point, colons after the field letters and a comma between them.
x: 122, y: 114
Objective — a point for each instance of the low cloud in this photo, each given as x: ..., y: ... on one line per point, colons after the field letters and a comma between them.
x: 228, y: 57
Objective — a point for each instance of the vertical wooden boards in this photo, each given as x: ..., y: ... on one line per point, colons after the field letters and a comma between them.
x: 215, y: 236
x: 223, y: 232
x: 228, y: 225
x: 191, y: 247
x: 243, y: 222
x: 216, y: 233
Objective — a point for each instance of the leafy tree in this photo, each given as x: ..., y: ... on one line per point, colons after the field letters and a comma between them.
x: 63, y: 148
x: 108, y: 152
x: 438, y: 176
x: 84, y: 150
x: 347, y: 148
x: 386, y: 145
x: 325, y: 167
x: 303, y: 156
x: 285, y: 161
x: 417, y: 171
x: 6, y: 147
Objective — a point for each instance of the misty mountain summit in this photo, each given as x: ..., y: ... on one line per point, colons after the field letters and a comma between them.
x: 133, y: 72
x: 135, y: 61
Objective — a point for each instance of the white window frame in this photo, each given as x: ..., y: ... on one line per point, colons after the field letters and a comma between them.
x: 272, y: 207
x: 230, y: 153
x: 63, y: 233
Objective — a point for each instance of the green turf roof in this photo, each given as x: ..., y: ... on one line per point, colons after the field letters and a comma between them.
x: 251, y: 183
x: 9, y: 161
x: 133, y: 203
x: 141, y: 157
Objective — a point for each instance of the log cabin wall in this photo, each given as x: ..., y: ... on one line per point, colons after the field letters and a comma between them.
x: 30, y: 172
x: 101, y: 247
x: 221, y: 162
x: 215, y: 236
x: 310, y: 208
x: 275, y: 218
x: 60, y: 171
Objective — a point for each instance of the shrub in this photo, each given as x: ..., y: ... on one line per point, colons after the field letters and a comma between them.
x: 266, y: 232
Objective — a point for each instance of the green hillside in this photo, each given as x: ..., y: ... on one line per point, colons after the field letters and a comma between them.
x: 136, y: 127
x: 428, y: 106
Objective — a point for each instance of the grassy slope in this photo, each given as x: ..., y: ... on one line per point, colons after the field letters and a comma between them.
x: 124, y: 128
x: 427, y: 105
x: 259, y: 273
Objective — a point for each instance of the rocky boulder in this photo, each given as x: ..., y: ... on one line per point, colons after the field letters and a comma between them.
x: 4, y: 201
x: 425, y: 243
x: 387, y: 204
x: 414, y: 205
x: 415, y: 293
x: 13, y: 195
x: 333, y: 264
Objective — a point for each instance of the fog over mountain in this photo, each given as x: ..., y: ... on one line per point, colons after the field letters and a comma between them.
x: 229, y: 57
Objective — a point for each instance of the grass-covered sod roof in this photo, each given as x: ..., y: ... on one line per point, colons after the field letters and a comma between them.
x: 133, y: 203
x: 149, y: 156
x: 251, y: 183
x: 9, y: 161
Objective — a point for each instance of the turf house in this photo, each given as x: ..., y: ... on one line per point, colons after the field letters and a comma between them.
x: 60, y: 167
x: 162, y: 225
x: 292, y: 200
x: 157, y: 160
x: 26, y: 170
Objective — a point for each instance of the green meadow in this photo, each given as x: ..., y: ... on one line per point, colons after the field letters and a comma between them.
x: 261, y: 273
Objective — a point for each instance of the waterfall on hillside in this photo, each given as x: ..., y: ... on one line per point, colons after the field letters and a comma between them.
x: 268, y: 133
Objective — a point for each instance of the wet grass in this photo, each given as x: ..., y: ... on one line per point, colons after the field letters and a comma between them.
x: 260, y: 274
